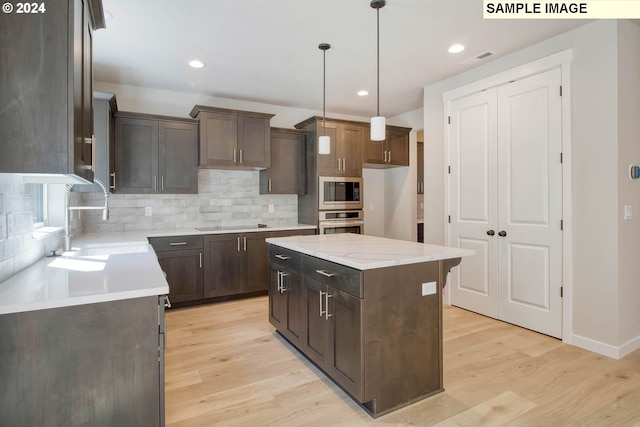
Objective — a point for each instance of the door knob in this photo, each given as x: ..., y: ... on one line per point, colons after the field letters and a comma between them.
x: 490, y: 233
x: 502, y: 233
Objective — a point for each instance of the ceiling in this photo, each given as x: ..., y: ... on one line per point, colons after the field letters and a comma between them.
x: 267, y: 51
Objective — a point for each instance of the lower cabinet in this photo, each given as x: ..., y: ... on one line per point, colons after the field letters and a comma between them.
x: 181, y: 259
x: 216, y: 265
x: 99, y: 365
x: 334, y: 340
x: 309, y: 306
x: 238, y: 263
x: 382, y: 346
x: 235, y: 264
x: 286, y: 295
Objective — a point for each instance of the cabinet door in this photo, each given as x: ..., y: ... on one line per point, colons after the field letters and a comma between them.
x: 218, y: 139
x: 178, y: 157
x: 345, y: 361
x: 296, y: 324
x: 224, y: 266
x: 136, y: 155
x: 286, y: 173
x: 184, y: 274
x: 373, y: 151
x: 317, y: 341
x: 256, y: 252
x: 88, y: 154
x: 350, y: 149
x: 254, y: 142
x: 277, y: 299
x: 328, y: 163
x: 398, y: 148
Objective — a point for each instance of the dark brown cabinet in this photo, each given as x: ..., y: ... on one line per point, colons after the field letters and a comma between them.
x: 181, y: 259
x: 393, y: 151
x: 286, y: 173
x: 235, y: 264
x: 104, y: 109
x: 286, y: 302
x: 46, y: 89
x: 347, y: 138
x: 104, y: 360
x: 155, y: 154
x: 373, y: 331
x: 232, y: 138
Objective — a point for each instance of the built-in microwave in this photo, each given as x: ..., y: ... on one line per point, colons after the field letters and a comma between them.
x: 339, y: 193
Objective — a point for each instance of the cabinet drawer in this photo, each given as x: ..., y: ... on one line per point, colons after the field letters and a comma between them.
x: 284, y: 257
x: 175, y: 243
x: 337, y: 276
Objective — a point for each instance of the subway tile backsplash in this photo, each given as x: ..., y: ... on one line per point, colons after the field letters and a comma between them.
x: 18, y: 248
x: 225, y: 198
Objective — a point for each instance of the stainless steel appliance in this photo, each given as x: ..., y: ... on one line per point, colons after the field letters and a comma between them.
x: 339, y: 193
x: 334, y: 222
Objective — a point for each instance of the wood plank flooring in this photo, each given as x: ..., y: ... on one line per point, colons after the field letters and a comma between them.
x: 226, y: 366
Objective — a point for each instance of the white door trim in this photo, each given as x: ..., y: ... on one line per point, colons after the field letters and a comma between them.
x: 563, y: 61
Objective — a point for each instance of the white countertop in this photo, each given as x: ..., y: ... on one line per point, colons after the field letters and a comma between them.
x: 101, y: 267
x: 367, y: 252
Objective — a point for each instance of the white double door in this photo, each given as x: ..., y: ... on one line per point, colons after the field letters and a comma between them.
x: 505, y: 201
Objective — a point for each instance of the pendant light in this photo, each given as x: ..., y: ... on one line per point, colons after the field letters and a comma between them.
x: 378, y: 123
x: 324, y: 142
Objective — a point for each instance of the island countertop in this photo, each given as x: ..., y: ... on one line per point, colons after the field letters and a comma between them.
x: 367, y: 252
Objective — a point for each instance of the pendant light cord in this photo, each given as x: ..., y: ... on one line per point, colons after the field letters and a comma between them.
x: 324, y: 92
x: 378, y: 56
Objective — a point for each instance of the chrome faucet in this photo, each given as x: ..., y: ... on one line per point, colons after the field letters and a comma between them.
x: 68, y: 209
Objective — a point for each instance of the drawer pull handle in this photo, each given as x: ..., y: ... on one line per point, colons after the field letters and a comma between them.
x: 324, y: 273
x: 282, y: 257
x: 321, y: 310
x: 177, y: 243
x: 326, y: 305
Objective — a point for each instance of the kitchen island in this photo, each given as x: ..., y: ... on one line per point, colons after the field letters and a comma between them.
x: 366, y: 310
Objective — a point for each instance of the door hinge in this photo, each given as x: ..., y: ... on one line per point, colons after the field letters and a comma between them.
x: 561, y: 90
x: 449, y: 219
x: 449, y: 169
x: 449, y: 119
x: 561, y: 291
x: 562, y: 224
x: 561, y: 157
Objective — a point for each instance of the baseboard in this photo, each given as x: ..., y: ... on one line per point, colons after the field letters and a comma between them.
x: 629, y: 347
x: 606, y: 349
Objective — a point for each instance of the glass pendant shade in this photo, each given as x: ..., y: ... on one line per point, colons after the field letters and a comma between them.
x: 324, y: 145
x: 378, y: 131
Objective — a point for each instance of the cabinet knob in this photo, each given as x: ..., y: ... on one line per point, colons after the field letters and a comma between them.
x: 502, y: 233
x: 490, y: 233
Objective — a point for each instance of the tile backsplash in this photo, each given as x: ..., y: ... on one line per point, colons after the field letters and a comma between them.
x: 18, y: 247
x: 225, y: 198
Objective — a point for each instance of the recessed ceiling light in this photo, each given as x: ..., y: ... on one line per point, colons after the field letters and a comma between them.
x: 196, y: 64
x: 456, y: 48
x: 363, y: 93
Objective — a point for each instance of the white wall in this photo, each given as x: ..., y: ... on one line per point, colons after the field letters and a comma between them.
x: 594, y: 160
x: 400, y: 191
x: 628, y: 191
x: 374, y: 197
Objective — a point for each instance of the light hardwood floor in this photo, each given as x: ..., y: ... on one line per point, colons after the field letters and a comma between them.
x: 225, y: 365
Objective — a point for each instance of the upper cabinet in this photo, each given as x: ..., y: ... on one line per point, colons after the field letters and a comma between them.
x: 286, y: 174
x: 232, y: 138
x: 347, y: 138
x: 420, y: 162
x: 104, y: 109
x: 393, y: 151
x: 155, y: 154
x: 46, y: 89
